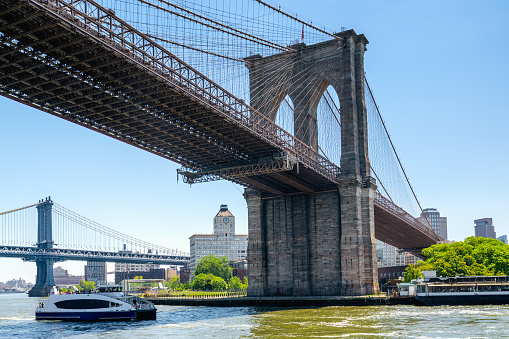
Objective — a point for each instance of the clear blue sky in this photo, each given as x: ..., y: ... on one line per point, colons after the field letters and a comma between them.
x: 439, y: 72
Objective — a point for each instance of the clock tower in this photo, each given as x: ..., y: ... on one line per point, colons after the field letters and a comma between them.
x: 224, y: 242
x: 224, y: 223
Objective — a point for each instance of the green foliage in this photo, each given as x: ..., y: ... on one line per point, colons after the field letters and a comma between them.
x: 411, y: 273
x: 65, y: 290
x: 138, y: 277
x: 217, y: 266
x: 473, y: 256
x: 175, y: 283
x: 236, y: 284
x: 86, y: 285
x: 209, y: 282
x: 246, y: 283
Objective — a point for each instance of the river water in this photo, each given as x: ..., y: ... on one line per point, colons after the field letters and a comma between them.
x: 17, y: 321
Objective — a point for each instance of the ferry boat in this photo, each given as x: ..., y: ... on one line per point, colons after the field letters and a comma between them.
x: 104, y: 303
x: 464, y: 291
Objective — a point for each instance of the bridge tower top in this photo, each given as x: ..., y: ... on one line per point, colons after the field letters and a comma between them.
x: 44, y: 223
x: 304, y: 73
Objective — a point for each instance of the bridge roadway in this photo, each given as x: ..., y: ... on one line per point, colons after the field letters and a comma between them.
x: 78, y: 61
x: 30, y: 253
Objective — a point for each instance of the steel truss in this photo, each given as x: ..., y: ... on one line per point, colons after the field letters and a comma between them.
x: 279, y: 163
x: 34, y: 253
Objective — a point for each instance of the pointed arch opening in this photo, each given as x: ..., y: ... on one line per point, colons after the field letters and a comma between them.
x: 329, y: 125
x: 285, y: 115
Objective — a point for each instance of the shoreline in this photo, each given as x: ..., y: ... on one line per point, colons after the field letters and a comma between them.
x: 284, y: 301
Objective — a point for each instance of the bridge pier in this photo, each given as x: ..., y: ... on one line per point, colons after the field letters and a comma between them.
x: 44, y: 280
x: 320, y: 243
x: 294, y: 244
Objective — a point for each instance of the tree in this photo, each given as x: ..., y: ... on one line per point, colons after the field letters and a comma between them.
x: 235, y: 284
x: 175, y: 282
x: 473, y: 256
x: 208, y: 282
x: 211, y: 264
x: 218, y: 283
x: 411, y: 273
x: 86, y: 285
x: 200, y: 282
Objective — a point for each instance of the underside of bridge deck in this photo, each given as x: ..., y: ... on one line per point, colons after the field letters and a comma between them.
x: 51, y: 61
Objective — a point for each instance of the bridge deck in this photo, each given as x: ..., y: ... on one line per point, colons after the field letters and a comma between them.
x: 85, y: 69
x: 78, y: 61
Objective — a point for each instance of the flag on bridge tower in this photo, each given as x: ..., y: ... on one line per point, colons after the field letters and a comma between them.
x: 302, y: 38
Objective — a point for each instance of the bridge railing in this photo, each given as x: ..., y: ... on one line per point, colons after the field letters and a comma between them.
x: 104, y: 25
x: 394, y: 209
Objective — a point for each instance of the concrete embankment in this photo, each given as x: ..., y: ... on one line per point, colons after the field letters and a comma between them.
x: 283, y: 301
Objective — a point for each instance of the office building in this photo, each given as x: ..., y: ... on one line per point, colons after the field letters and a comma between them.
x: 123, y: 267
x: 484, y: 228
x: 386, y: 254
x: 96, y: 271
x: 503, y: 238
x: 223, y: 242
x: 437, y: 223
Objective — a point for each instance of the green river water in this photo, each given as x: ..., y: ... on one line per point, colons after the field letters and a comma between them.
x: 17, y: 321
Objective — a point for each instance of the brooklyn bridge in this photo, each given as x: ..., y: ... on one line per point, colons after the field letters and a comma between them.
x: 249, y: 94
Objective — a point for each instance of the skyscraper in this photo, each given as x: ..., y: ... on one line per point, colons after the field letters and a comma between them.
x: 484, y: 228
x: 437, y: 223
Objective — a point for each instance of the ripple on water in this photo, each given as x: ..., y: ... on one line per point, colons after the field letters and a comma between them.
x: 17, y: 321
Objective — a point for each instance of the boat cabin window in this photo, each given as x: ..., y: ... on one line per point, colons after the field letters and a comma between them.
x: 106, y: 289
x: 112, y: 304
x: 80, y: 304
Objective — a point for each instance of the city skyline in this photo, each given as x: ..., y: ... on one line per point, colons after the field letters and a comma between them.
x: 438, y: 73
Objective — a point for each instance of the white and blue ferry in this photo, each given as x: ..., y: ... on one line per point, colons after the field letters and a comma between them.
x: 104, y: 303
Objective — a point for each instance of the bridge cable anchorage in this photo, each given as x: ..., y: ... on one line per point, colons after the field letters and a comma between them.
x: 394, y: 149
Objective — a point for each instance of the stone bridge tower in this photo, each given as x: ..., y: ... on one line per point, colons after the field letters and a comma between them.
x: 316, y: 243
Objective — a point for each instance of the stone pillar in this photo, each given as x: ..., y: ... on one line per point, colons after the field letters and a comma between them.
x: 358, y: 248
x: 256, y: 249
x: 299, y: 251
